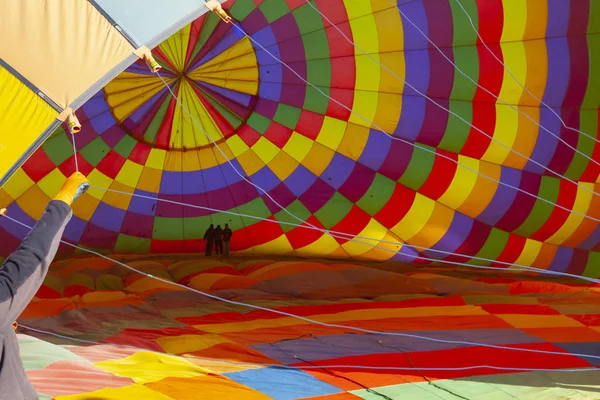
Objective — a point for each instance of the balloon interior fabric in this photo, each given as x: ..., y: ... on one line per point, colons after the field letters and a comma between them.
x: 409, y: 141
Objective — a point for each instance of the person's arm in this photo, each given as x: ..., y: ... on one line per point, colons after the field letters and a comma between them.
x: 24, y: 270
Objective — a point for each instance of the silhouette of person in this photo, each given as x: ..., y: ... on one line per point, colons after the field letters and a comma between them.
x: 209, y: 237
x: 227, y: 234
x: 218, y: 240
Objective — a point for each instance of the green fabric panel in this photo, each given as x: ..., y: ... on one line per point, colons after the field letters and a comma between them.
x: 309, y: 21
x: 125, y: 146
x: 319, y: 73
x: 258, y: 122
x: 579, y: 163
x: 110, y: 282
x: 589, y: 122
x: 37, y: 354
x: 592, y: 268
x: 95, y: 151
x: 157, y: 121
x: 316, y: 46
x: 334, y: 210
x: 457, y: 132
x: 419, y: 168
x: 541, y: 211
x: 287, y: 116
x: 316, y: 49
x: 493, y: 246
x: 315, y: 101
x: 464, y: 34
x: 168, y: 228
x: 194, y: 228
x: 467, y: 59
x: 522, y: 386
x: 132, y: 244
x: 297, y: 209
x: 58, y: 148
x: 274, y: 9
x: 241, y: 9
x: 594, y: 22
x: 235, y: 222
x: 256, y: 208
x: 377, y: 196
x: 592, y: 96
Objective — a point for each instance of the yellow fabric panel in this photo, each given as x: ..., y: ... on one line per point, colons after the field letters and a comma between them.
x: 360, y: 16
x: 583, y: 199
x: 18, y: 184
x: 415, y: 219
x: 62, y: 47
x: 378, y: 253
x: 298, y: 146
x: 51, y: 183
x: 281, y: 245
x: 323, y: 245
x: 192, y: 133
x: 265, y: 150
x: 100, y: 180
x: 462, y: 184
x: 504, y: 135
x: 373, y: 230
x: 122, y: 393
x: 24, y: 115
x: 127, y: 92
x: 365, y: 103
x: 130, y: 173
x: 156, y: 159
x: 332, y: 132
x: 483, y: 191
x: 515, y: 21
x: 175, y: 47
x: 435, y: 228
x: 529, y: 253
x: 526, y: 138
x: 237, y: 145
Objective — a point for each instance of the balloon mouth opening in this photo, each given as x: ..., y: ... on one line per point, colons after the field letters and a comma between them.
x: 75, y: 129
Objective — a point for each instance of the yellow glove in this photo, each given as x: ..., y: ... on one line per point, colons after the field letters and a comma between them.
x: 75, y: 186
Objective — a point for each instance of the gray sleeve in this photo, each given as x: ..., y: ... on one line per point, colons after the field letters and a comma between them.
x: 24, y: 270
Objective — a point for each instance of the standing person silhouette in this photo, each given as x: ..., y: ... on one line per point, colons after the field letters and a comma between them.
x: 21, y: 276
x: 218, y: 240
x: 209, y: 237
x: 227, y: 234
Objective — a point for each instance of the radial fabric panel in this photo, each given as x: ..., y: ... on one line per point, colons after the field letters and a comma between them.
x: 257, y: 126
x: 185, y: 344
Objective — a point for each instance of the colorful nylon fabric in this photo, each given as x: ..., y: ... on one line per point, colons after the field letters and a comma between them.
x: 88, y: 298
x: 282, y: 108
x: 326, y: 165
